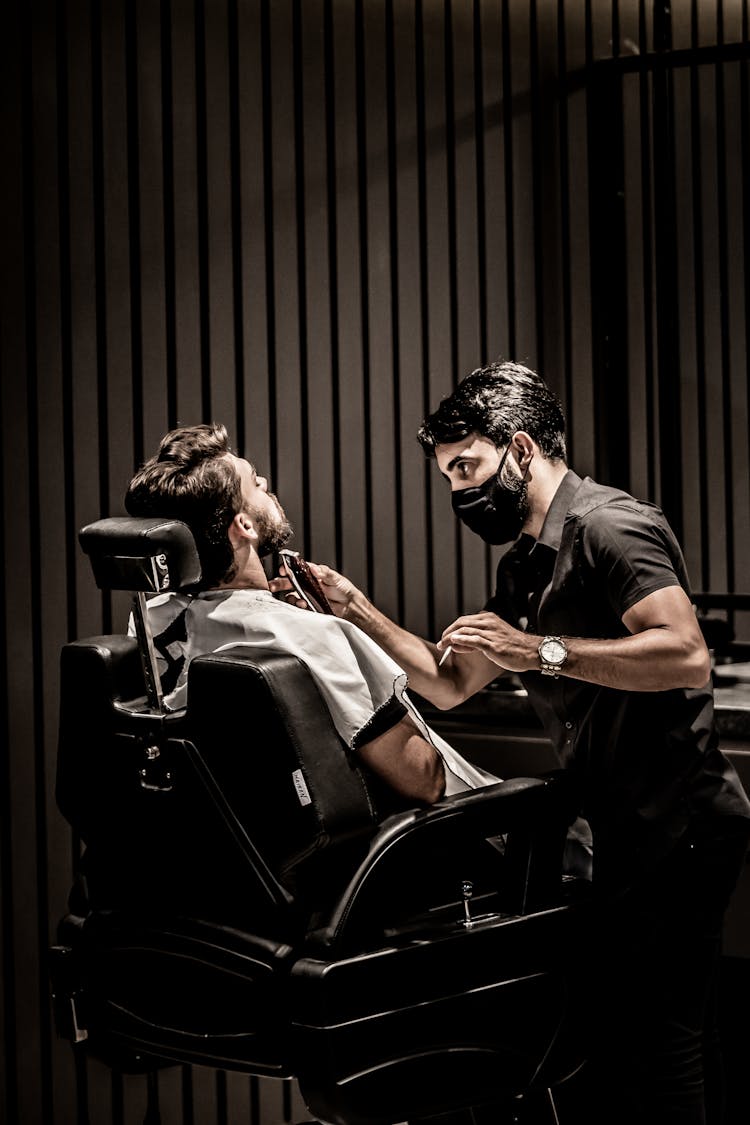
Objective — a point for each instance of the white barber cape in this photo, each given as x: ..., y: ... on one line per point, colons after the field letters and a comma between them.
x: 353, y: 674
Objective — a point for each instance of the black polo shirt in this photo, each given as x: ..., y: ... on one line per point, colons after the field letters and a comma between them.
x: 647, y: 762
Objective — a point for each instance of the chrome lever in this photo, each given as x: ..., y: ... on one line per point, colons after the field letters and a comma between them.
x: 467, y: 890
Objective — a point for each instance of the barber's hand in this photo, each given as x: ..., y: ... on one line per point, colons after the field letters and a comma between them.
x: 494, y: 638
x: 283, y: 586
x: 341, y: 593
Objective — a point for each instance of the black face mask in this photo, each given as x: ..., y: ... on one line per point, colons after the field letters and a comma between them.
x: 491, y: 510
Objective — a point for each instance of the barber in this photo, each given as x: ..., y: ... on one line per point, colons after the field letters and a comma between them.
x: 592, y: 610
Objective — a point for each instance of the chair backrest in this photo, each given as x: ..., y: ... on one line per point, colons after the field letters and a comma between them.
x: 242, y: 809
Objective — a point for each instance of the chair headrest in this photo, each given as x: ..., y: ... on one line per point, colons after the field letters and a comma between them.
x: 149, y: 555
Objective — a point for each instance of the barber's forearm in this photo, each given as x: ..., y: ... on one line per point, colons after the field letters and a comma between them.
x: 654, y: 660
x: 663, y: 649
x: 418, y: 657
x: 445, y: 679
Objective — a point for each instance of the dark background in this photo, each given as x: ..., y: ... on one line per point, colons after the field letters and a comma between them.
x: 307, y: 219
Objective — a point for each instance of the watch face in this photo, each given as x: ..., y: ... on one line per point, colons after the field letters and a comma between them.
x: 553, y: 651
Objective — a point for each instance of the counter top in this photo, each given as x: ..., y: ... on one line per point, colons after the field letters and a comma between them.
x: 510, y: 705
x: 732, y: 700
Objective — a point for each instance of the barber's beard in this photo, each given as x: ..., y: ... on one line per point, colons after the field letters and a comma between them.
x: 518, y: 488
x: 273, y: 534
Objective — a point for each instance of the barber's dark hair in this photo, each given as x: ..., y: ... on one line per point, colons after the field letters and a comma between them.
x: 191, y: 478
x: 496, y: 401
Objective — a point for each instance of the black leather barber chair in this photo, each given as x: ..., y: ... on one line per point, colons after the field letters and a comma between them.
x: 249, y: 900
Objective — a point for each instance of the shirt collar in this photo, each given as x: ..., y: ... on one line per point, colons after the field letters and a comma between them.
x: 552, y: 528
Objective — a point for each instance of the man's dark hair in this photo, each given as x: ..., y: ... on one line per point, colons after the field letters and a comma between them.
x: 496, y: 401
x: 191, y: 478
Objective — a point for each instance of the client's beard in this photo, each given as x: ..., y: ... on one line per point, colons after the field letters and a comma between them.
x: 272, y: 535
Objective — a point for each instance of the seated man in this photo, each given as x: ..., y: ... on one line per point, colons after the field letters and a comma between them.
x: 235, y: 521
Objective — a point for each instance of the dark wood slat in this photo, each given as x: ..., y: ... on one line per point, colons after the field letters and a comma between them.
x: 321, y: 521
x: 256, y: 425
x: 380, y: 314
x: 412, y: 471
x: 349, y: 297
x: 82, y: 470
x: 154, y: 360
x: 220, y: 261
x: 441, y: 374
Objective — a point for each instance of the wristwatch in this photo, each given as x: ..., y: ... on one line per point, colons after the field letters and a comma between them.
x: 553, y: 652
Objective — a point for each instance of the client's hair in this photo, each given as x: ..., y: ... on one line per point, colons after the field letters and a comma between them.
x: 496, y: 401
x: 192, y: 479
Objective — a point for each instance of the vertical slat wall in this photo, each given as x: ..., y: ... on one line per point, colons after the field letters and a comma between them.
x: 307, y: 219
x: 676, y: 285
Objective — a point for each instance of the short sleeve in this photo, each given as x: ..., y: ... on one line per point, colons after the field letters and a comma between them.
x: 632, y: 552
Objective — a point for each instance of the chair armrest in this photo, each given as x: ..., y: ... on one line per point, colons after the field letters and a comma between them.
x: 531, y: 813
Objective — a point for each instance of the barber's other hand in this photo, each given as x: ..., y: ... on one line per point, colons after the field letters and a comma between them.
x: 487, y: 633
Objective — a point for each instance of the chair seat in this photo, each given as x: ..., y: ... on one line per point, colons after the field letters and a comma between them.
x: 441, y: 1019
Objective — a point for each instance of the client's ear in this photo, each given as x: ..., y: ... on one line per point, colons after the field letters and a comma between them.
x: 242, y: 529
